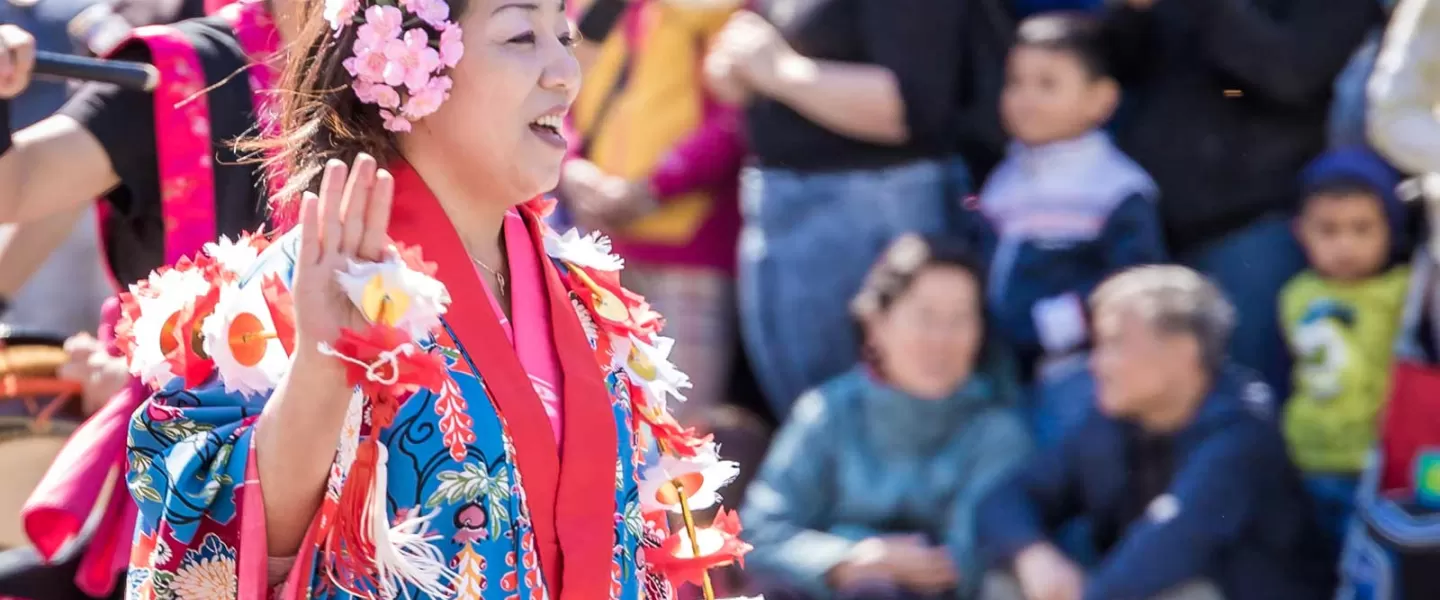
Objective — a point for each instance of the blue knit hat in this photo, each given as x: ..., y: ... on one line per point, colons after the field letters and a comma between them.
x: 1360, y: 165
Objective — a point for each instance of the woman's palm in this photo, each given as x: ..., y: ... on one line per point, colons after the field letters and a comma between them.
x: 347, y: 220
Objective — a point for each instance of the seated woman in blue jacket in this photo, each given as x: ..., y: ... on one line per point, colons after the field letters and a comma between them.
x: 869, y: 490
x: 1181, y: 471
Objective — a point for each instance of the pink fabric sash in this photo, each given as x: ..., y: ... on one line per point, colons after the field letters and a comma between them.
x: 529, y: 330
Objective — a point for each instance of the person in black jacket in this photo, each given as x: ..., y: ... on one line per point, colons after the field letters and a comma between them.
x: 1228, y: 102
x: 1181, y: 471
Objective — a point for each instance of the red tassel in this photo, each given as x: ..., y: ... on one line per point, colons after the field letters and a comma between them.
x: 348, y: 546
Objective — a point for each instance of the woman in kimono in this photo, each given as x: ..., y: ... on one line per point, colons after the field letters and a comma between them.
x: 170, y: 181
x: 345, y: 420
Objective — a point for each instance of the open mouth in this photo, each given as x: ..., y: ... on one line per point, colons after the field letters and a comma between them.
x: 548, y: 127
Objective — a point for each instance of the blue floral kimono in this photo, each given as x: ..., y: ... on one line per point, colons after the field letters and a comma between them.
x: 516, y: 515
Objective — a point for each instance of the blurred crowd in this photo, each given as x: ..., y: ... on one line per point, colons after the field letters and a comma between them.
x: 1006, y: 299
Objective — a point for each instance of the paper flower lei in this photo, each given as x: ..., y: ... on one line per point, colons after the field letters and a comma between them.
x: 164, y: 318
x: 401, y: 54
x: 689, y: 473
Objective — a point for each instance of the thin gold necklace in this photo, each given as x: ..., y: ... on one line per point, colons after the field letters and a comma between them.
x: 499, y: 279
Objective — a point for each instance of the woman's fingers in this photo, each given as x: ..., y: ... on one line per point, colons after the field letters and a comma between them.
x: 309, y: 229
x: 357, y: 198
x: 377, y: 218
x: 332, y: 200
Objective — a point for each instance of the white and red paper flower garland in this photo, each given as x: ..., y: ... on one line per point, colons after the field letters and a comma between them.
x: 161, y: 316
x: 689, y: 474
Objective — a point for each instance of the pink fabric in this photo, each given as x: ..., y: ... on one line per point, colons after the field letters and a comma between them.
x: 529, y: 332
x: 187, y: 185
x: 253, y: 567
x: 60, y: 505
x: 710, y: 159
x: 214, y: 6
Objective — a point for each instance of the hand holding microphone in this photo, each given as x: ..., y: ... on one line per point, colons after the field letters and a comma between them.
x: 20, y: 62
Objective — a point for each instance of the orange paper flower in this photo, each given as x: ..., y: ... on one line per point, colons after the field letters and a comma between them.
x: 720, y: 546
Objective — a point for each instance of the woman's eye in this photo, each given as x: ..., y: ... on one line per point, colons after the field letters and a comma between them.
x: 568, y: 40
x: 524, y: 38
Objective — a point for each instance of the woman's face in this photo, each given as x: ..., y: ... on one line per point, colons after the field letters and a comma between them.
x: 929, y: 338
x: 511, y: 92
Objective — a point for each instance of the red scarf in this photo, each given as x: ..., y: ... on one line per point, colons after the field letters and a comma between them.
x: 570, y: 492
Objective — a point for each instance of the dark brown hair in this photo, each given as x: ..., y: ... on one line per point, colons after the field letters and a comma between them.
x: 1067, y: 32
x: 320, y: 118
x: 896, y: 271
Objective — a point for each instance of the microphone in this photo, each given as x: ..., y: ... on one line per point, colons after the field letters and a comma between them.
x: 126, y: 74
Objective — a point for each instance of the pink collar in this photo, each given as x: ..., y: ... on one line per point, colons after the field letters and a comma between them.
x: 529, y: 326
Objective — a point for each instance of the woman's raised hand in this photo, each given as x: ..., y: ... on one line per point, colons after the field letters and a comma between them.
x: 347, y: 220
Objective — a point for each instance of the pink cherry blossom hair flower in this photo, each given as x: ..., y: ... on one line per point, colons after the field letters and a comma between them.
x: 402, y: 55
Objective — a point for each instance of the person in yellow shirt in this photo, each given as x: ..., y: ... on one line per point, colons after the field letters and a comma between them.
x: 1341, y: 317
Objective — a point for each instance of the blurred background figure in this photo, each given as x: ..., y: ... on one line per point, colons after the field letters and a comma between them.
x: 851, y: 113
x: 1341, y: 317
x: 1181, y: 470
x: 1062, y: 212
x: 870, y: 489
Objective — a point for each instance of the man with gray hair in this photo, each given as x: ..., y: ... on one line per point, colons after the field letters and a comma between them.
x: 1181, y: 471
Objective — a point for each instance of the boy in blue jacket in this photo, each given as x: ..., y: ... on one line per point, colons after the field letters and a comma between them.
x: 1065, y: 209
x: 1182, y: 470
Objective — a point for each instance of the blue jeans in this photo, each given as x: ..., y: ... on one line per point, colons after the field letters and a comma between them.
x: 1334, y: 500
x: 1251, y: 265
x: 808, y: 241
x: 873, y: 590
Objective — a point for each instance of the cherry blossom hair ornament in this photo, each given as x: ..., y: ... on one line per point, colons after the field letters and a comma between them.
x: 402, y: 55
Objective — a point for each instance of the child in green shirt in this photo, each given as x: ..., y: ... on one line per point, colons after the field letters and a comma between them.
x: 1340, y: 318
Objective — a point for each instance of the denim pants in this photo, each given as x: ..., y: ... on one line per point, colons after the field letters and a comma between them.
x: 1003, y: 586
x: 1334, y: 498
x: 808, y: 241
x: 1251, y: 265
x: 875, y: 590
